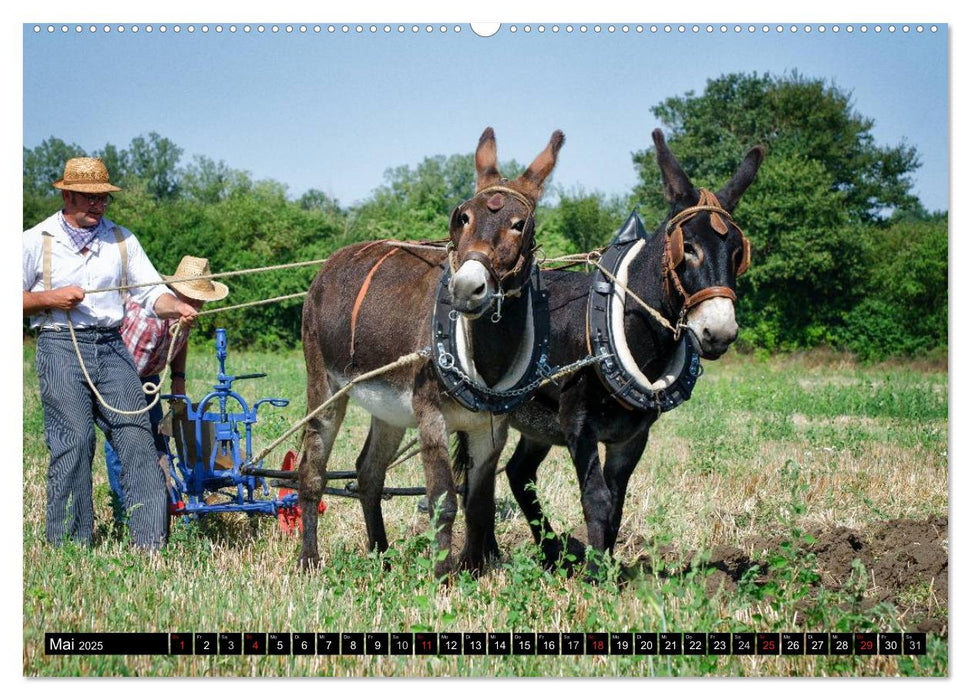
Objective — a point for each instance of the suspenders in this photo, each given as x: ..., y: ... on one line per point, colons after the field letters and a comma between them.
x: 47, y: 240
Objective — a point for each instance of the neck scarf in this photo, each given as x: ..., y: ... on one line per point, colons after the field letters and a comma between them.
x: 80, y: 237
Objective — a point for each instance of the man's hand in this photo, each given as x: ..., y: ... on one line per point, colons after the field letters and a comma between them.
x: 66, y: 298
x: 171, y: 307
x: 187, y: 314
x: 62, y: 299
x: 178, y: 386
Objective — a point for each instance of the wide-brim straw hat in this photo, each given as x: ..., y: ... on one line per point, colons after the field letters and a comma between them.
x: 200, y: 289
x: 87, y: 175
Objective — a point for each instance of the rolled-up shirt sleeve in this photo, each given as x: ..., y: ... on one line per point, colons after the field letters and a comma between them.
x: 140, y: 271
x: 31, y: 256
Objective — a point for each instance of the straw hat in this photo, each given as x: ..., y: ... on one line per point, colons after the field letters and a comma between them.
x: 203, y: 290
x: 87, y: 175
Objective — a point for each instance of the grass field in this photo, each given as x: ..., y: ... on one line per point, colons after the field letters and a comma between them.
x: 790, y: 494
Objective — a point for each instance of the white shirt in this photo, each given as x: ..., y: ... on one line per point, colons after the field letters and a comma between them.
x: 98, y: 269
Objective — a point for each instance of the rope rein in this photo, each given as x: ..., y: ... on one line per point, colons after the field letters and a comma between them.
x: 147, y: 387
x: 267, y: 268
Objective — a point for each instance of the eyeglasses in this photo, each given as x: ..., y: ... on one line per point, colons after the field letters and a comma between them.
x: 95, y: 200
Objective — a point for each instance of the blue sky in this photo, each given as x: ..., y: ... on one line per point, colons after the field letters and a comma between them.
x: 332, y: 111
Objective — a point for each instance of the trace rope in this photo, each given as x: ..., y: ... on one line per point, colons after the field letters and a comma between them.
x: 402, y: 361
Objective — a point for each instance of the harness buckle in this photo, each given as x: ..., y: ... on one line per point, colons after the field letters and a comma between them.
x: 681, y: 325
x: 499, y: 296
x: 445, y: 359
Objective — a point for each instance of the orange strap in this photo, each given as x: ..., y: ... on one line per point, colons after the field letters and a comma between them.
x: 363, y: 291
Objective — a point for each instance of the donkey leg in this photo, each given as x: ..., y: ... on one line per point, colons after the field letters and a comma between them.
x: 318, y: 440
x: 480, y: 499
x: 594, y: 494
x: 521, y: 472
x: 372, y: 466
x: 618, y: 466
x: 439, y: 482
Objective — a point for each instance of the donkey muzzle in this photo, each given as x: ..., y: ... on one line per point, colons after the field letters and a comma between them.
x: 471, y: 288
x: 713, y: 326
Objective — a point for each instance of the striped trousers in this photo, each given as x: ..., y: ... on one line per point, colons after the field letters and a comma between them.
x: 71, y: 412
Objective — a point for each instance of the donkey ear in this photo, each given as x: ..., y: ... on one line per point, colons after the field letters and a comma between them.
x: 743, y: 177
x: 677, y: 186
x: 486, y: 169
x: 531, y: 181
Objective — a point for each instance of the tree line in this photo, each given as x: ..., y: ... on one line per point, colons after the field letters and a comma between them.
x: 844, y: 255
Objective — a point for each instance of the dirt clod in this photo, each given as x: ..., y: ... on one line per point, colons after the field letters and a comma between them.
x: 905, y: 562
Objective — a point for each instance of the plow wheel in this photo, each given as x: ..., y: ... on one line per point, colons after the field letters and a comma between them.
x: 289, y: 518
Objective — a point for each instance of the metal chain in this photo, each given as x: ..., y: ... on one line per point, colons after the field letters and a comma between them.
x: 447, y: 362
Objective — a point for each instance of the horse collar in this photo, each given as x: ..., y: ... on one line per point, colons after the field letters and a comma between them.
x: 454, y: 364
x: 606, y: 338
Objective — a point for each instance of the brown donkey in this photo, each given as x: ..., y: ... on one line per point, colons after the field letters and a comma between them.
x: 372, y: 303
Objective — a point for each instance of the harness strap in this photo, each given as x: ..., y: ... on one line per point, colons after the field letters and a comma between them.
x: 523, y: 199
x: 709, y: 293
x: 363, y: 291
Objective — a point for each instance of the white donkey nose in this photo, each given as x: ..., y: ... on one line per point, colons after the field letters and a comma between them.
x: 470, y: 285
x: 713, y: 323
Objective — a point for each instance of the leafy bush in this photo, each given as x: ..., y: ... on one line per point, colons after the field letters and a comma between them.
x: 905, y: 312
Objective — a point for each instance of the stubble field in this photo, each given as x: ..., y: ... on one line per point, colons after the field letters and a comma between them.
x: 791, y: 494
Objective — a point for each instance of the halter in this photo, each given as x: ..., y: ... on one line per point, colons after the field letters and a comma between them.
x: 520, y: 272
x: 674, y: 249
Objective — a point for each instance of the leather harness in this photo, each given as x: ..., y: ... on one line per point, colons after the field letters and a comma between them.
x: 605, y: 336
x: 471, y: 394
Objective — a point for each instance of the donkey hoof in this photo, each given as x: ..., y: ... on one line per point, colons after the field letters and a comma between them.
x: 563, y: 552
x: 473, y: 565
x: 444, y: 568
x: 308, y: 563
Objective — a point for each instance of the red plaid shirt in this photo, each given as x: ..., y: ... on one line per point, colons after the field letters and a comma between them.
x: 148, y: 339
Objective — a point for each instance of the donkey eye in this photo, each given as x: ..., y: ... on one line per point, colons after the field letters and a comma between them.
x: 464, y: 219
x: 519, y: 225
x: 693, y: 254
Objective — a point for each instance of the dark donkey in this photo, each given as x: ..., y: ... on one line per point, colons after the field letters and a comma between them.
x: 372, y: 303
x: 686, y: 274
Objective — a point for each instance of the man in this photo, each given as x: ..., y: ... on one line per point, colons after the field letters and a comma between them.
x: 75, y: 250
x: 149, y: 340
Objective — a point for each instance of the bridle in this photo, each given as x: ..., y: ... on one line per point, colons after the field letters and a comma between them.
x: 513, y: 280
x: 674, y: 250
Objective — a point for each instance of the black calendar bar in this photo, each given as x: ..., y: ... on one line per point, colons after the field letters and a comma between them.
x: 487, y: 643
x: 105, y: 643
